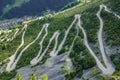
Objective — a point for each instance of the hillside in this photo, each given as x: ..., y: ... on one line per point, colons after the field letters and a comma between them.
x: 79, y: 43
x: 20, y: 8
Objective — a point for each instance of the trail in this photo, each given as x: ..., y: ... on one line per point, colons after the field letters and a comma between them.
x: 13, y: 36
x: 41, y: 44
x: 108, y: 10
x: 12, y: 58
x: 6, y: 35
x: 35, y: 61
x: 17, y: 30
x: 109, y: 68
x: 107, y: 61
x: 52, y: 53
x: 12, y: 67
x: 65, y: 36
x: 99, y: 64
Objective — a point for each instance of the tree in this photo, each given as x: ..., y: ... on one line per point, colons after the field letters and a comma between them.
x: 34, y: 77
x: 45, y: 77
x: 19, y: 77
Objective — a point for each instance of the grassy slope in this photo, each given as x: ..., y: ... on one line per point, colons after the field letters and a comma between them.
x: 60, y: 22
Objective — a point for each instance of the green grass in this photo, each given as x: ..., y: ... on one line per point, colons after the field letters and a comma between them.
x: 61, y: 22
x: 8, y: 48
x: 58, y: 22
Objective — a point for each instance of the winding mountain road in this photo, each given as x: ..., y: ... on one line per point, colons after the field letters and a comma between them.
x: 88, y: 47
x: 107, y: 61
x: 65, y: 36
x: 17, y: 30
x: 52, y: 53
x: 108, y: 68
x: 10, y: 65
x: 41, y: 46
x: 14, y: 63
x: 35, y: 61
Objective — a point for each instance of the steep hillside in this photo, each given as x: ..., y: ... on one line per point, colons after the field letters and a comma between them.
x: 82, y: 42
x: 20, y: 8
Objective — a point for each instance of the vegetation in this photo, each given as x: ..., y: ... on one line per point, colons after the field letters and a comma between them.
x: 7, y: 75
x: 44, y: 77
x: 115, y: 6
x: 80, y: 56
x: 8, y: 48
x: 19, y: 77
x: 111, y: 30
x: 116, y: 60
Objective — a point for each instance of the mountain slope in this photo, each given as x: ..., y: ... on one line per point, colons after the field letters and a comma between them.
x: 79, y: 42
